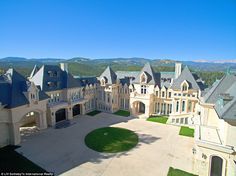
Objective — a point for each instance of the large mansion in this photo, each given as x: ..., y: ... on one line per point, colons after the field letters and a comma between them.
x: 51, y: 95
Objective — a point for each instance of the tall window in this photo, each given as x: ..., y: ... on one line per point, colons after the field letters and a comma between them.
x: 183, y: 105
x: 169, y: 94
x: 163, y: 94
x: 164, y: 108
x: 189, y: 105
x: 177, y: 106
x: 143, y: 89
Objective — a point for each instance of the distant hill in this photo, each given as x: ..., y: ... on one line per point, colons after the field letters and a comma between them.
x: 13, y: 59
x: 121, y: 62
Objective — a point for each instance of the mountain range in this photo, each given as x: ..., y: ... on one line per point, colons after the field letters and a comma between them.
x: 198, y: 65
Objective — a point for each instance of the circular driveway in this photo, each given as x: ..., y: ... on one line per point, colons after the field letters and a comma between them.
x: 63, y: 151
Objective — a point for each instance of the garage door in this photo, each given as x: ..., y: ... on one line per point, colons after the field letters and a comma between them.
x: 76, y: 110
x: 60, y: 115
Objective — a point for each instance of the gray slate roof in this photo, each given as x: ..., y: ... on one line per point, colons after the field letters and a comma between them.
x: 109, y: 75
x: 12, y: 86
x: 129, y: 74
x: 188, y: 76
x: 60, y: 80
x: 219, y: 87
x: 223, y: 95
x: 87, y: 80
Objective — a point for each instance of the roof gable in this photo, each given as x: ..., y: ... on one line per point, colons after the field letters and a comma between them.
x: 110, y: 75
x: 152, y: 78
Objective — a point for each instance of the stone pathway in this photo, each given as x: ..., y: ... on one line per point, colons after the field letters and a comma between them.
x: 63, y: 151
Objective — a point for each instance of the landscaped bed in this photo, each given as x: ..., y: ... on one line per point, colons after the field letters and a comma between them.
x: 111, y: 140
x: 176, y: 172
x: 159, y: 119
x: 93, y: 113
x: 122, y: 113
x: 186, y: 131
x: 11, y: 161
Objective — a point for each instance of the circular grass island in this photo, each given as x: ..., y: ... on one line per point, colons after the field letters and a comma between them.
x: 111, y: 140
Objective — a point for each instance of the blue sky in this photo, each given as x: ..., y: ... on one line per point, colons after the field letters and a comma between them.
x: 155, y: 29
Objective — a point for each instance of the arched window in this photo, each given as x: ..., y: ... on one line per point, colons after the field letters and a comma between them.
x: 216, y: 166
x: 102, y: 82
x: 184, y: 87
x: 143, y: 78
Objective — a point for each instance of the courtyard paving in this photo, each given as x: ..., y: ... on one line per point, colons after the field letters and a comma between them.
x: 63, y: 151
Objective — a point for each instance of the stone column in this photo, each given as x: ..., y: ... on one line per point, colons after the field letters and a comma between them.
x: 14, y: 133
x: 83, y: 109
x: 69, y: 113
x: 52, y: 119
x: 42, y: 120
x: 173, y: 107
x: 147, y: 110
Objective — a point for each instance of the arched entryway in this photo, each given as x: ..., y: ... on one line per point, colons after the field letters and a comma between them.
x: 30, y: 123
x: 216, y: 166
x: 76, y: 110
x: 60, y: 115
x: 138, y: 108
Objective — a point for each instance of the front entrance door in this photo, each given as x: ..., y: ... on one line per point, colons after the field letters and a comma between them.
x: 216, y: 166
x: 141, y: 107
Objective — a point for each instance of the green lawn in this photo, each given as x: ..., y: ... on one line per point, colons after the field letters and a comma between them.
x: 186, y: 131
x: 93, y: 113
x: 176, y: 172
x: 11, y: 161
x: 111, y: 140
x: 159, y: 119
x: 122, y: 113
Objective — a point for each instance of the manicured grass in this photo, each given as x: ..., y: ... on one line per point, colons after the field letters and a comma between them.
x: 111, y: 140
x: 159, y: 119
x: 11, y: 161
x: 176, y: 172
x: 93, y: 113
x: 122, y: 113
x: 186, y: 131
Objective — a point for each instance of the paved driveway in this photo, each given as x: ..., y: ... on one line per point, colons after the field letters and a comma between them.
x: 63, y: 151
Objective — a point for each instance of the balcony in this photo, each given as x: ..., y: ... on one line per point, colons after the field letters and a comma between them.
x: 77, y: 101
x: 208, y: 137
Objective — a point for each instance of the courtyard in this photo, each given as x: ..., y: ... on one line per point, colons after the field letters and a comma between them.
x: 63, y: 151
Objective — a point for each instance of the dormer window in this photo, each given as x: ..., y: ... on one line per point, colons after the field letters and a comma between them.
x: 143, y: 78
x: 185, y: 86
x: 52, y: 73
x: 32, y: 96
x: 103, y: 82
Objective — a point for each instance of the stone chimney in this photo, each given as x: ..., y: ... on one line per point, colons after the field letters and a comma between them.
x: 64, y: 66
x: 178, y: 69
